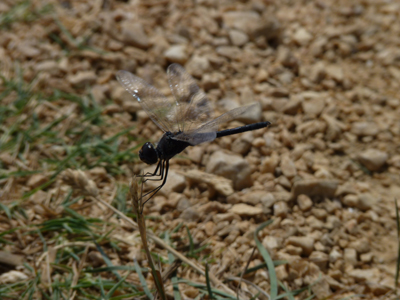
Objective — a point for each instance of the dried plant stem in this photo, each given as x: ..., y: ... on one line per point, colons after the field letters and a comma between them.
x: 78, y: 180
x: 138, y: 205
x: 162, y: 244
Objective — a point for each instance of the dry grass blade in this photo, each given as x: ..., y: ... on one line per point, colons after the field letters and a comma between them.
x: 244, y: 272
x: 136, y: 199
x: 171, y: 269
x: 77, y: 271
x: 137, y: 204
x: 240, y: 279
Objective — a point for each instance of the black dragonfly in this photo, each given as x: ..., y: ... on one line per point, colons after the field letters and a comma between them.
x: 186, y: 120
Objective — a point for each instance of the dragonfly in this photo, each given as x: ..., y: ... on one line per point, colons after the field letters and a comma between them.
x: 186, y: 120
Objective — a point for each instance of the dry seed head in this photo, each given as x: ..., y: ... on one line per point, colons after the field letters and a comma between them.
x: 79, y: 181
x: 135, y: 192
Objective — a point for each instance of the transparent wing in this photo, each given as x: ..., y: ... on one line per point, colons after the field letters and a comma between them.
x: 157, y: 106
x: 195, y: 138
x: 193, y: 108
x: 208, y: 132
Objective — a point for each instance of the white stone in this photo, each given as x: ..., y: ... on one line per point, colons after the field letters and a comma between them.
x: 238, y: 38
x: 373, y: 159
x: 176, y: 54
x: 302, y: 36
x: 132, y: 32
x: 315, y: 187
x: 231, y: 166
x: 281, y: 209
x: 335, y: 72
x: 364, y: 128
x: 198, y: 66
x: 245, y: 210
x: 270, y: 242
x: 350, y: 256
x: 288, y: 167
x: 304, y: 202
x: 304, y: 242
x: 82, y: 78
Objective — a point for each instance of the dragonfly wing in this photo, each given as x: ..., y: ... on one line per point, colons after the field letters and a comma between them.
x: 193, y: 107
x: 196, y: 138
x: 208, y: 132
x: 156, y: 105
x: 213, y: 125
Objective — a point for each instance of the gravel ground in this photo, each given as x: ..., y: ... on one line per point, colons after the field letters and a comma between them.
x: 326, y: 74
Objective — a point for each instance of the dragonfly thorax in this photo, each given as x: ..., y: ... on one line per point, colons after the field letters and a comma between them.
x: 148, y: 154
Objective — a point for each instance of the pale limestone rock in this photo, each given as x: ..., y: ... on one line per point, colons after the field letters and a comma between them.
x: 350, y: 256
x: 302, y: 36
x: 364, y: 128
x: 281, y: 209
x: 304, y: 242
x: 230, y: 166
x: 82, y: 78
x: 365, y: 275
x: 221, y: 185
x: 245, y: 210
x: 242, y: 144
x: 270, y: 243
x: 132, y: 33
x: 176, y: 54
x: 315, y: 187
x: 373, y: 159
x: 288, y: 167
x: 335, y: 72
x: 197, y: 65
x: 237, y: 37
x: 190, y: 214
x: 366, y: 201
x: 350, y: 200
x: 304, y: 202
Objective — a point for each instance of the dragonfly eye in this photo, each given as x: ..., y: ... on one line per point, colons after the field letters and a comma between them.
x: 148, y: 154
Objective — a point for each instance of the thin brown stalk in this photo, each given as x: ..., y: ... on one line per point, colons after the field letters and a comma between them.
x: 78, y: 182
x: 138, y: 205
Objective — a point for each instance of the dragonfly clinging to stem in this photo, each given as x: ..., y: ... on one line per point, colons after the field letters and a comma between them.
x: 186, y: 120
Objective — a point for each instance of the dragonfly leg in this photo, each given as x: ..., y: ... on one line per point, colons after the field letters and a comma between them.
x: 162, y: 166
x: 154, y: 191
x: 148, y: 174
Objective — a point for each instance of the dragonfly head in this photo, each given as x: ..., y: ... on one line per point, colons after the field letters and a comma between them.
x: 148, y: 154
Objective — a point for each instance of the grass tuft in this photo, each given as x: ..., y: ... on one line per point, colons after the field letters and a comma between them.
x: 23, y: 11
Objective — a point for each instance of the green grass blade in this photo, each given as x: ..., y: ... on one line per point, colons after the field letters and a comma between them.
x: 103, y: 292
x: 115, y: 287
x: 288, y: 293
x: 107, y: 260
x: 6, y: 210
x: 263, y: 265
x: 209, y: 289
x: 268, y: 260
x: 174, y: 278
x: 143, y: 280
x: 191, y: 243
